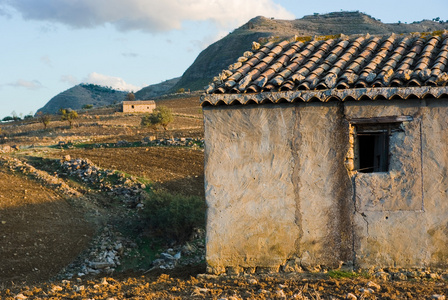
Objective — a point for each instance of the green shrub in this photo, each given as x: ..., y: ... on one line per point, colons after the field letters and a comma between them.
x: 150, y: 120
x: 174, y: 216
x: 87, y: 106
x: 337, y: 274
x: 161, y: 116
x: 8, y: 118
x: 68, y: 115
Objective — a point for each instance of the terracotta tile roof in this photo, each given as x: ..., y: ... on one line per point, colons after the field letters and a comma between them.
x: 139, y: 102
x: 356, y: 67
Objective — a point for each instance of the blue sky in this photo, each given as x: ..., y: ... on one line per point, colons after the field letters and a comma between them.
x: 49, y: 46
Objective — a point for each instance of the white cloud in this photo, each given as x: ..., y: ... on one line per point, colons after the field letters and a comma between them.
x: 114, y: 82
x: 30, y: 85
x: 146, y: 15
x: 72, y: 80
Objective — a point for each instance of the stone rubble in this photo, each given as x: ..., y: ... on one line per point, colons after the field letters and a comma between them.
x: 190, y: 253
x: 17, y: 165
x: 195, y: 143
x: 114, y: 183
x: 186, y: 142
x: 103, y: 256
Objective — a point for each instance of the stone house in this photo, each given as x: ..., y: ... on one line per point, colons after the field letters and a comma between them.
x: 328, y: 152
x: 146, y: 106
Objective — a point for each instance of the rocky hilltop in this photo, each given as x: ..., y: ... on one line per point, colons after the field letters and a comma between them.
x: 222, y: 53
x: 83, y: 94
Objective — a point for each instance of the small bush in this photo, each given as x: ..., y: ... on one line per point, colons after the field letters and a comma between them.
x: 337, y: 274
x: 68, y: 115
x: 130, y: 97
x: 161, y: 116
x: 87, y: 106
x: 174, y: 216
x: 8, y: 118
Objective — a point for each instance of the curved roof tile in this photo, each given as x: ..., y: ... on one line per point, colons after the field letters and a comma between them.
x: 357, y: 67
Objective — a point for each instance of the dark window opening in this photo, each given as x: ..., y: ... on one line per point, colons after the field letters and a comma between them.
x: 372, y: 141
x: 373, y: 152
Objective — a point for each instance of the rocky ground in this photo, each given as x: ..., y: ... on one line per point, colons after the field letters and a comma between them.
x: 190, y: 283
x: 70, y: 208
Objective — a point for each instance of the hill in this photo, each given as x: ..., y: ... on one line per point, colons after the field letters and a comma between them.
x: 222, y: 53
x: 156, y: 90
x: 83, y: 94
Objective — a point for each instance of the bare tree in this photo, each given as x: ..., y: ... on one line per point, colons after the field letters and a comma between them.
x: 44, y: 119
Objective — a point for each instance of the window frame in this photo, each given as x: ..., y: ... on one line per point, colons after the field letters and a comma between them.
x: 376, y: 133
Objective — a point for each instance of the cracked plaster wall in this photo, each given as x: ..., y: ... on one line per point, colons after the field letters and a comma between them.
x: 281, y: 194
x: 399, y: 214
x: 276, y: 187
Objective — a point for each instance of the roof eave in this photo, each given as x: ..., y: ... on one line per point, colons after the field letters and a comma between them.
x: 373, y: 93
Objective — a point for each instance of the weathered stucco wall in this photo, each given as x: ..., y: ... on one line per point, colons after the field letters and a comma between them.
x: 399, y: 215
x: 281, y: 195
x: 275, y: 187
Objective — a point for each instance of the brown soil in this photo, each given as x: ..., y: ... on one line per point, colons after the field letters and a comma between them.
x: 176, y: 169
x: 40, y: 232
x: 184, y: 284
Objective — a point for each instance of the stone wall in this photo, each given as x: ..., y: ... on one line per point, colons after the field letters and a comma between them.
x: 139, y: 106
x: 281, y: 195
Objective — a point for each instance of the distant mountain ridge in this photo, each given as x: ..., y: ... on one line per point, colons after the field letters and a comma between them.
x: 83, y: 94
x: 219, y: 55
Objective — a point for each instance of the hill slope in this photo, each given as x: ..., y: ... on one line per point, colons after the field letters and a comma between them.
x: 155, y: 90
x: 222, y: 53
x: 83, y: 94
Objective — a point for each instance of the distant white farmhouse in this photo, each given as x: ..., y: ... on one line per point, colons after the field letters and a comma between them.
x: 146, y: 106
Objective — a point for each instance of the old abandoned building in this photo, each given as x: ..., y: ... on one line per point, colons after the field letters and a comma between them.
x: 139, y: 106
x: 329, y: 151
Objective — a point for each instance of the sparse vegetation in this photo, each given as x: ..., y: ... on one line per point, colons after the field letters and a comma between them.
x: 87, y: 106
x: 68, y: 115
x: 130, y: 97
x: 173, y: 215
x: 161, y: 116
x: 337, y: 274
x: 8, y: 119
x: 44, y: 119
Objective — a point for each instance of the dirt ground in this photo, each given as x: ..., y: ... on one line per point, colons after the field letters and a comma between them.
x: 190, y: 283
x: 176, y: 169
x: 42, y: 231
